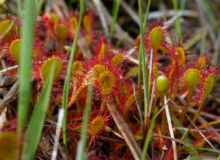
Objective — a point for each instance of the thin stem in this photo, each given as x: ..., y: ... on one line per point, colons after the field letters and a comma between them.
x: 49, y: 116
x: 186, y: 106
x: 197, y: 113
x: 198, y: 110
x: 209, y: 124
x: 163, y: 114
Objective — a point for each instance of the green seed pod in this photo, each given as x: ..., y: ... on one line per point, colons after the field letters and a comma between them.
x: 162, y: 84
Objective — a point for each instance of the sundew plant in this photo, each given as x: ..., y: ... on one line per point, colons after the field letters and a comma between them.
x: 69, y: 92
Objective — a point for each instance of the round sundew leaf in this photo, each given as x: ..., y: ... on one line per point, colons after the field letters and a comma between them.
x: 4, y: 26
x: 54, y: 19
x: 73, y: 22
x: 181, y: 55
x: 116, y: 60
x: 201, y: 62
x: 87, y: 23
x: 98, y: 69
x: 15, y: 49
x: 162, y: 84
x: 2, y: 2
x: 208, y: 84
x: 106, y: 82
x: 104, y: 48
x: 192, y: 77
x: 88, y: 39
x: 163, y: 49
x: 97, y: 125
x: 46, y: 67
x: 62, y: 31
x: 8, y: 145
x: 77, y: 68
x: 156, y: 36
x: 36, y: 52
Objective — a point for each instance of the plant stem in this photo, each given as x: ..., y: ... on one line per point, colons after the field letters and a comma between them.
x: 186, y: 106
x: 163, y: 114
x: 198, y: 110
x: 197, y: 113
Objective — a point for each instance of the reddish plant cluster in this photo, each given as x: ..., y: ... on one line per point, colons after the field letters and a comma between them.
x: 106, y: 70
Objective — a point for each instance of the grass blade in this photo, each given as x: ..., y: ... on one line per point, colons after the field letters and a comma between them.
x: 67, y: 79
x: 115, y: 15
x: 25, y: 65
x: 199, y: 148
x: 37, y: 120
x: 40, y: 4
x: 178, y: 26
x: 20, y: 10
x: 143, y: 60
x: 203, y: 42
x: 150, y: 130
x: 82, y: 142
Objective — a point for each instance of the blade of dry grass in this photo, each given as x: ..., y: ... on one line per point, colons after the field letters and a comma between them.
x: 123, y: 128
x: 170, y: 127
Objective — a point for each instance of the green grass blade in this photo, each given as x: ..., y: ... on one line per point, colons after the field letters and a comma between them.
x: 115, y: 15
x: 182, y: 4
x: 149, y: 133
x: 40, y: 4
x: 118, y: 43
x: 67, y: 79
x: 195, y: 39
x: 25, y: 65
x: 146, y: 14
x: 199, y: 148
x: 203, y: 42
x: 140, y: 57
x: 211, y: 17
x: 178, y: 26
x: 82, y: 143
x: 37, y: 120
x: 143, y: 60
x: 20, y: 10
